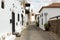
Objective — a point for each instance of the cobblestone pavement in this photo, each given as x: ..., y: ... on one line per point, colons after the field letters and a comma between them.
x: 32, y: 33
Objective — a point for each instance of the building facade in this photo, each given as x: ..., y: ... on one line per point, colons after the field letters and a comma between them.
x: 12, y: 16
x: 48, y: 12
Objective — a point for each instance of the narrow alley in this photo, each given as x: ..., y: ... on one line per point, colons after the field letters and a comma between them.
x: 32, y: 33
x: 29, y: 19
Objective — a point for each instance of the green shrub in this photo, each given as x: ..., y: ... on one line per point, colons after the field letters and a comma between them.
x: 47, y: 26
x: 37, y: 24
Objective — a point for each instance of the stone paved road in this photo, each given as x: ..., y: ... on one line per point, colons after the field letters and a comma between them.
x: 32, y: 33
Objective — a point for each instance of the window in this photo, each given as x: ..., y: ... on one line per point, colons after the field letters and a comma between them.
x: 22, y: 11
x: 21, y: 7
x: 18, y: 17
x: 13, y: 5
x: 46, y: 17
x: 27, y: 11
x: 27, y: 4
x: 22, y: 18
x: 42, y: 14
x: 2, y: 4
x: 42, y: 21
x: 35, y: 16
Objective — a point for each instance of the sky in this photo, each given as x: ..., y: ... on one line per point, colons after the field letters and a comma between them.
x: 37, y: 4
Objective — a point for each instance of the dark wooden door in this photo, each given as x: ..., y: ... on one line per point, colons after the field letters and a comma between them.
x: 22, y: 18
x: 13, y: 22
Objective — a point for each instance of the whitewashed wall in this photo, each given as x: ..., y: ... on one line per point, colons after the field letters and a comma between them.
x: 51, y: 12
x: 6, y: 15
x: 17, y: 10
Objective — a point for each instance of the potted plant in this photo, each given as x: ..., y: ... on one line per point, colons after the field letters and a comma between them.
x: 37, y: 24
x: 46, y: 25
x: 27, y: 23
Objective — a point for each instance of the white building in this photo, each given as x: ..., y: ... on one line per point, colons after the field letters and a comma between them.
x: 48, y: 12
x: 11, y: 20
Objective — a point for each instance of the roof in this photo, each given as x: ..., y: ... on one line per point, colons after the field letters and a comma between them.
x: 53, y: 5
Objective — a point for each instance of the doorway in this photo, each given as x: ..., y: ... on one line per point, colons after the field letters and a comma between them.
x: 13, y: 22
x: 22, y: 18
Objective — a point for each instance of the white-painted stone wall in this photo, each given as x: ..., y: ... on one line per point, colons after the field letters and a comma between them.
x: 6, y: 15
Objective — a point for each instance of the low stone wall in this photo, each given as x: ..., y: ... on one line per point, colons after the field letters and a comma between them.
x: 55, y: 26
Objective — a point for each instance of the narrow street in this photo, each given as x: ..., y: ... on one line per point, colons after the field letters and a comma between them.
x: 32, y: 33
x: 29, y: 19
